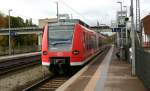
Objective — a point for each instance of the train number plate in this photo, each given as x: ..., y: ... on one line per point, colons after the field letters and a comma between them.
x: 59, y: 54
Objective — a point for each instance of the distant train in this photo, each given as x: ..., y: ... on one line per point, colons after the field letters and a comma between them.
x: 68, y: 43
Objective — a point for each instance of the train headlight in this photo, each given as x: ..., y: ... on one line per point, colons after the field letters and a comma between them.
x: 75, y: 52
x: 45, y: 52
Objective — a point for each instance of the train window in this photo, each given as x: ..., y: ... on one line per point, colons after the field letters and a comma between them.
x: 84, y: 39
x: 92, y: 42
x: 60, y: 36
x: 89, y: 42
x: 86, y: 42
x: 60, y: 32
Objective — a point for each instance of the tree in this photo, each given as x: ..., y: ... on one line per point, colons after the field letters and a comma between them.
x: 20, y: 40
x: 16, y: 22
x: 3, y: 22
x: 30, y: 22
x: 3, y: 41
x: 26, y: 22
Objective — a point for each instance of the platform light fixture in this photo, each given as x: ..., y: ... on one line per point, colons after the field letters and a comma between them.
x: 126, y: 10
x: 121, y: 19
x: 121, y: 7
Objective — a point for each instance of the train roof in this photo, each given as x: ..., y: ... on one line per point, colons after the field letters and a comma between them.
x: 68, y: 22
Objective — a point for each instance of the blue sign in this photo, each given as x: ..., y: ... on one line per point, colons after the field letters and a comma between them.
x: 116, y: 29
x: 13, y: 33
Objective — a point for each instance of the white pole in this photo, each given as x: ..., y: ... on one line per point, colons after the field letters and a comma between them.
x: 133, y: 39
x: 121, y: 28
x: 9, y: 32
x: 126, y: 26
x: 121, y: 37
x: 57, y: 12
x: 126, y: 10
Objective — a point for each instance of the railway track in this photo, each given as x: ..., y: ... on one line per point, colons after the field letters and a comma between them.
x: 15, y: 64
x: 55, y: 81
x: 49, y: 83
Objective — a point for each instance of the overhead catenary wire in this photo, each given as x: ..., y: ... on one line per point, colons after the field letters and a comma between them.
x: 61, y: 1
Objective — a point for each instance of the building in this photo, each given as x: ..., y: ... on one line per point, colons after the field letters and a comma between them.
x: 42, y: 22
x: 146, y: 31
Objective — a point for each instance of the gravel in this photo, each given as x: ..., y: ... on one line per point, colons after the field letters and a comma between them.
x: 18, y: 80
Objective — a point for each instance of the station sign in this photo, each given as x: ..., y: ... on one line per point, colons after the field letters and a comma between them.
x: 116, y: 29
x: 13, y: 34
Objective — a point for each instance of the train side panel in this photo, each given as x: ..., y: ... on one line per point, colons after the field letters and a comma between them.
x: 85, y: 43
x: 45, y: 55
x: 77, y: 47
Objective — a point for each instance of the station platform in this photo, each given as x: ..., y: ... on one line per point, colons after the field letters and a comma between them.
x: 16, y: 56
x: 108, y: 74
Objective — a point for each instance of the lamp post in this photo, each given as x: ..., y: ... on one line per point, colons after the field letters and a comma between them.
x: 9, y: 31
x: 120, y: 7
x: 126, y: 25
x: 57, y: 12
x: 133, y: 39
x: 121, y: 35
x: 126, y: 10
x: 121, y: 23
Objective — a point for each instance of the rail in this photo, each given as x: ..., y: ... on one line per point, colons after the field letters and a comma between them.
x: 52, y: 83
x: 48, y: 83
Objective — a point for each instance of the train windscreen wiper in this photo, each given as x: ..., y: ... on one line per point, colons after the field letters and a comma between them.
x: 60, y: 42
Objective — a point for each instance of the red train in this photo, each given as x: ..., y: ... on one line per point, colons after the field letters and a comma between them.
x: 68, y: 43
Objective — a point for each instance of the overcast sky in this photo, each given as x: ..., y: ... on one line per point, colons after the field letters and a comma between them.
x: 89, y: 11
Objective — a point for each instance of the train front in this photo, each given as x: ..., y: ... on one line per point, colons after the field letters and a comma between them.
x: 56, y: 47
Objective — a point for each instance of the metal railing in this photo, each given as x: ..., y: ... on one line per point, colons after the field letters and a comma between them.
x: 18, y: 50
x: 21, y: 28
x: 143, y: 66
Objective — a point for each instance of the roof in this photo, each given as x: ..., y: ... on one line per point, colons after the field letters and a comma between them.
x: 74, y: 21
x: 68, y: 21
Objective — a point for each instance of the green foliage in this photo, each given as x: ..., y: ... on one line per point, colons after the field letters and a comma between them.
x: 20, y: 40
x: 3, y: 41
x: 109, y: 39
x: 24, y: 40
x: 28, y: 22
x: 19, y: 22
x: 14, y: 21
x: 3, y: 22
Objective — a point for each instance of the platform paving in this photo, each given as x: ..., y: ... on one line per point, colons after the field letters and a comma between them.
x: 83, y: 79
x: 120, y: 77
x: 107, y: 74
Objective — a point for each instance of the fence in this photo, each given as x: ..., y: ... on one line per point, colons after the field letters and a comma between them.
x: 143, y: 66
x: 18, y: 50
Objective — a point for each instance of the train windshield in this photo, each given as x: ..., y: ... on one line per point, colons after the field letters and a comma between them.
x: 60, y: 37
